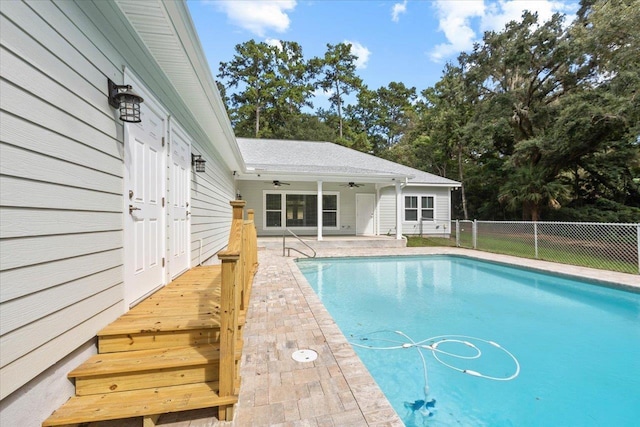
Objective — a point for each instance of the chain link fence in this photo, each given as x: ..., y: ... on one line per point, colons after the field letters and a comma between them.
x: 614, y: 247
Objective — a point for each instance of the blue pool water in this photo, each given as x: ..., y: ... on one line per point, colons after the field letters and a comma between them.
x: 576, y: 344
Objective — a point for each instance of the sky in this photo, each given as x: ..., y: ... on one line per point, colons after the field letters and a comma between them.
x: 395, y: 40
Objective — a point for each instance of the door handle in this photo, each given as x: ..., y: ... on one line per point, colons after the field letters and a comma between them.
x: 188, y: 213
x: 133, y: 208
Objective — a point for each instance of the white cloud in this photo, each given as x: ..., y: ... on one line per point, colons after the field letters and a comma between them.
x: 455, y: 22
x: 501, y: 12
x: 274, y: 42
x: 361, y: 52
x: 257, y: 16
x: 464, y: 22
x: 397, y: 9
x: 321, y: 93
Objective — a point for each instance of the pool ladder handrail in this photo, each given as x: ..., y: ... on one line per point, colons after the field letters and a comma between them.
x: 288, y: 249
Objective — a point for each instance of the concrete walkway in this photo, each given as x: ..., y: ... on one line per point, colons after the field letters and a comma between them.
x: 285, y: 315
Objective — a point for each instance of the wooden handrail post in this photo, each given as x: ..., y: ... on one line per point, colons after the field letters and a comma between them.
x: 238, y: 265
x: 228, y: 329
x: 238, y: 208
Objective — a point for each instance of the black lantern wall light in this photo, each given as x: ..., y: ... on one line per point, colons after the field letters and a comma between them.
x: 198, y: 162
x: 126, y: 100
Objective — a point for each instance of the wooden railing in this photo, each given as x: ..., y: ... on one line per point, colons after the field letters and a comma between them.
x: 239, y: 263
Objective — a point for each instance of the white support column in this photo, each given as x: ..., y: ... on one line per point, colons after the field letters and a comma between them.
x: 377, y: 228
x: 319, y: 210
x: 398, y: 211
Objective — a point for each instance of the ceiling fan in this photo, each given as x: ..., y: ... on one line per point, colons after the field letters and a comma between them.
x: 351, y: 185
x: 277, y: 183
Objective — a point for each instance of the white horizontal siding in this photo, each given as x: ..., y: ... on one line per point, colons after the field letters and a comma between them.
x: 55, y: 273
x: 18, y: 222
x: 22, y: 74
x: 39, y: 305
x: 387, y: 211
x: 27, y: 164
x: 347, y: 209
x: 441, y: 223
x: 211, y: 193
x: 35, y: 250
x: 18, y: 192
x: 442, y: 201
x: 61, y: 174
x: 16, y: 338
x: 55, y: 349
x: 23, y: 104
x: 251, y: 192
x: 29, y: 136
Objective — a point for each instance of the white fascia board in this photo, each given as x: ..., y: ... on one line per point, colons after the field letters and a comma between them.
x: 440, y: 184
x: 256, y: 175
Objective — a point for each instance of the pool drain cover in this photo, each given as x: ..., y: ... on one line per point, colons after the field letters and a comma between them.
x: 304, y: 355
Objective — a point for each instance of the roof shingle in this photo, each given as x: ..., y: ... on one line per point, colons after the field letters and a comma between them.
x: 282, y: 156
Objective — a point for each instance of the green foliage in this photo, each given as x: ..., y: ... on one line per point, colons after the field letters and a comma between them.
x: 307, y: 127
x: 539, y: 121
x: 273, y: 84
x: 602, y: 210
x: 338, y: 76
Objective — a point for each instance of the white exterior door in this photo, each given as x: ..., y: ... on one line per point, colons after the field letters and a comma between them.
x: 180, y: 164
x: 144, y: 186
x: 365, y: 214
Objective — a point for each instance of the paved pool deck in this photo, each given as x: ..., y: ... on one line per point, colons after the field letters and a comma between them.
x: 336, y: 389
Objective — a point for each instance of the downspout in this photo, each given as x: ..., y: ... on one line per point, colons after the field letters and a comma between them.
x: 319, y: 206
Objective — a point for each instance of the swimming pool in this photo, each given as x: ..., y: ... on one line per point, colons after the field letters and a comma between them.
x: 575, y: 345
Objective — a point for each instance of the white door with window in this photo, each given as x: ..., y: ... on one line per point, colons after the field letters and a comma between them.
x: 144, y: 186
x: 365, y: 214
x: 179, y: 212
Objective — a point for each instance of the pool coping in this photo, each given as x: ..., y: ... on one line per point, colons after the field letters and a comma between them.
x: 374, y: 405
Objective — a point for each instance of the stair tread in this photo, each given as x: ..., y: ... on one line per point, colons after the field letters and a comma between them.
x: 147, y: 360
x: 144, y: 324
x: 133, y: 324
x: 138, y: 403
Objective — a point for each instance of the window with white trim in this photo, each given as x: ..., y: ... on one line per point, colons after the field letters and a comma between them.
x: 410, y: 208
x: 425, y: 211
x: 273, y: 210
x: 330, y: 210
x: 300, y: 210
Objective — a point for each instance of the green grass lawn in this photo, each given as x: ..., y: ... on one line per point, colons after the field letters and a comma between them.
x: 417, y: 241
x: 525, y: 249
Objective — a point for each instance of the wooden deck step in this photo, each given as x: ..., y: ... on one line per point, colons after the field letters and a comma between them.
x: 143, y: 332
x: 135, y: 370
x: 157, y: 340
x: 125, y: 371
x: 135, y: 324
x: 162, y: 400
